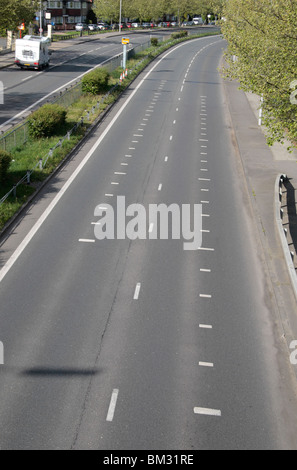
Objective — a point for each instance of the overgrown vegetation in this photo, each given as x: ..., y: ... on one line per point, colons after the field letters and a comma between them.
x: 179, y: 35
x: 96, y: 81
x: 262, y: 56
x: 47, y: 121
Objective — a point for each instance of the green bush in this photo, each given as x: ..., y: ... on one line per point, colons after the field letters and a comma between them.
x: 181, y: 34
x: 96, y: 81
x: 47, y: 121
x: 154, y: 42
x: 5, y: 161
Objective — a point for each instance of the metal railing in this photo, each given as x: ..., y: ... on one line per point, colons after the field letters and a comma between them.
x: 15, y: 138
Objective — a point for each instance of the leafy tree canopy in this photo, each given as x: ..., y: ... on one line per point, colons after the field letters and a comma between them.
x: 152, y: 10
x: 15, y: 12
x: 262, y: 55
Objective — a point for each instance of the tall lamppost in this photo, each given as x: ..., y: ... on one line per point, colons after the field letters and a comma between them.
x: 40, y: 19
x: 120, y: 22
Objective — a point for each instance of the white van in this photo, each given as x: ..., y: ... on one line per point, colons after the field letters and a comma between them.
x: 32, y: 52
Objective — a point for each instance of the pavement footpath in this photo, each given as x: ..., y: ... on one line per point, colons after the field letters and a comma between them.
x: 261, y: 165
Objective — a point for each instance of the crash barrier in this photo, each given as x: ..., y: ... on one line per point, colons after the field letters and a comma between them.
x: 283, y: 232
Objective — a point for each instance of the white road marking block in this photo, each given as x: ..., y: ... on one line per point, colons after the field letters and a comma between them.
x: 137, y: 291
x: 207, y: 411
x: 112, y: 405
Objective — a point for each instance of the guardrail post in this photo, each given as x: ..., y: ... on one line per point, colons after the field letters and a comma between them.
x: 40, y: 164
x: 28, y: 177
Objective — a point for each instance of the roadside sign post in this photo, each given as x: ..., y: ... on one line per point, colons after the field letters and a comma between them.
x: 125, y: 41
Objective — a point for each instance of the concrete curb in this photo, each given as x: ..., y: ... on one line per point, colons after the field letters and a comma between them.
x: 278, y: 217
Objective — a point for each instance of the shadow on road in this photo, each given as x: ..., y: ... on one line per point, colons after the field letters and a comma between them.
x: 292, y: 213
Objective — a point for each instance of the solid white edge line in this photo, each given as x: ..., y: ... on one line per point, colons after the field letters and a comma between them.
x: 17, y: 253
x: 112, y: 405
x: 206, y: 364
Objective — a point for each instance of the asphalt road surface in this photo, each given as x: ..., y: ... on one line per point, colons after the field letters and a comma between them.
x: 121, y: 344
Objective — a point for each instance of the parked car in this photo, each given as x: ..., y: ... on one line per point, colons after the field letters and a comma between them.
x: 93, y: 27
x: 146, y: 25
x: 81, y: 27
x: 129, y: 25
x: 135, y: 25
x: 173, y: 23
x: 102, y: 26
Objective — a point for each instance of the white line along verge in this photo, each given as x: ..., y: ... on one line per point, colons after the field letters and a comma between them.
x: 112, y: 405
x: 17, y: 253
x: 137, y: 291
x: 207, y: 411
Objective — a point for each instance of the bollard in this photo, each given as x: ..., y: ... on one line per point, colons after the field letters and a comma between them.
x: 40, y: 164
x: 286, y: 232
x: 292, y: 255
x: 282, y: 214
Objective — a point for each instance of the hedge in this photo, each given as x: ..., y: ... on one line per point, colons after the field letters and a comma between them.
x: 5, y: 161
x: 47, y: 121
x: 181, y: 34
x: 96, y: 81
